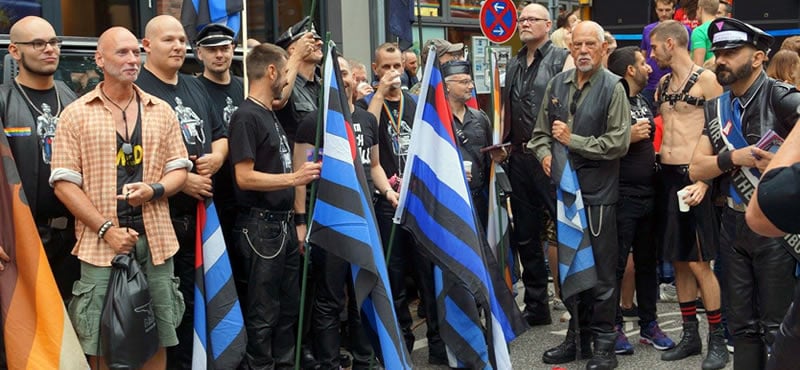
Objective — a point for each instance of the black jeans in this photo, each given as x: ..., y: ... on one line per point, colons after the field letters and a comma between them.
x: 180, y: 356
x: 635, y: 233
x: 759, y: 273
x: 786, y: 350
x: 597, y: 307
x: 332, y: 276
x: 406, y: 256
x: 58, y: 246
x: 269, y: 247
x: 531, y: 195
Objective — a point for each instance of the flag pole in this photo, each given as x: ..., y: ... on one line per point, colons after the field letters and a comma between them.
x: 310, y: 214
x: 419, y: 26
x: 244, y: 49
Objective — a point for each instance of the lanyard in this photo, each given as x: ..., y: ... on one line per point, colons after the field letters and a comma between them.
x: 395, y: 121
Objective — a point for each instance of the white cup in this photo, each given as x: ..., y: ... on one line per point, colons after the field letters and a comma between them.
x: 468, y: 168
x: 682, y: 205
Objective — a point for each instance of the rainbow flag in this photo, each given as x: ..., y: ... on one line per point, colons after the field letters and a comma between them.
x: 38, y: 333
x: 17, y: 131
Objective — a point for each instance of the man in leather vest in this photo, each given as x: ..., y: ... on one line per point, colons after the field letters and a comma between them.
x: 526, y: 78
x: 690, y: 237
x: 759, y: 271
x: 473, y: 132
x: 596, y: 131
x: 25, y: 100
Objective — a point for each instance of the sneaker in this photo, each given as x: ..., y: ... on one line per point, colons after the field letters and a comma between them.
x: 622, y: 346
x: 668, y: 293
x: 729, y: 341
x: 559, y: 305
x: 565, y: 317
x: 630, y: 313
x: 652, y: 334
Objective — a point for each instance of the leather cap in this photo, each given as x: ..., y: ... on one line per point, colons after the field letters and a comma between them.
x: 215, y: 34
x: 295, y: 32
x: 730, y: 33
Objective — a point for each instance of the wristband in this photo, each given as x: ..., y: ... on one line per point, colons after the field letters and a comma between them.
x: 158, y: 190
x: 725, y: 161
x: 104, y: 228
x: 299, y: 219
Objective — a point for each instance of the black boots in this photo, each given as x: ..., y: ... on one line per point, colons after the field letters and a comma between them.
x: 604, y: 357
x: 717, y: 356
x: 689, y: 345
x: 567, y: 350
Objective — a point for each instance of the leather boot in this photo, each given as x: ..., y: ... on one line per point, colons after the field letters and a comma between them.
x: 690, y: 344
x: 604, y: 357
x: 750, y: 353
x: 717, y: 356
x: 586, y: 344
x: 564, y: 352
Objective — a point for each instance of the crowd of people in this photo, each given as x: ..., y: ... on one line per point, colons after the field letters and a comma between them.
x: 665, y: 141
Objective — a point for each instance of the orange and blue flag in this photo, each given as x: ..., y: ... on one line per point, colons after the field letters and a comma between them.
x: 38, y: 333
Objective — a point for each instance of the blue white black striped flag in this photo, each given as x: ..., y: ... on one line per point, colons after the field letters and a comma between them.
x: 576, y: 269
x: 343, y: 223
x: 196, y: 14
x: 220, y: 339
x: 436, y: 207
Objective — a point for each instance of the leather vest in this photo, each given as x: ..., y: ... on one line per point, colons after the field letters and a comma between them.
x: 26, y: 148
x: 551, y: 64
x: 599, y: 180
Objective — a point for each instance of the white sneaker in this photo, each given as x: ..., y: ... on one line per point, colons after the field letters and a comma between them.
x: 668, y: 293
x: 558, y: 305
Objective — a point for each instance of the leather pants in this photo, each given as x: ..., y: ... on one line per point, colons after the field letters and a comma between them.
x: 758, y: 274
x: 530, y: 197
x: 786, y: 350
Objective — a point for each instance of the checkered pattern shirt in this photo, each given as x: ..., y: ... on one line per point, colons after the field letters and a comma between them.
x: 84, y: 153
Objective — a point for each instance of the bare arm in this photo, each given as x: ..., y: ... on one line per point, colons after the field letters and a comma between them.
x: 210, y: 163
x: 298, y: 159
x: 249, y: 179
x: 304, y: 46
x: 379, y: 178
x: 698, y: 56
x: 704, y: 162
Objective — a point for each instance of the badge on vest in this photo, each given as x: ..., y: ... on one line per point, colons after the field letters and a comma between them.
x: 17, y: 131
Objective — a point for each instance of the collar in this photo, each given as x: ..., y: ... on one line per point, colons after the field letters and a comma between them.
x: 541, y: 51
x: 592, y: 80
x: 144, y: 97
x: 753, y: 90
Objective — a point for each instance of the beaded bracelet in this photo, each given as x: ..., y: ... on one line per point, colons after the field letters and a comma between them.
x: 103, y: 229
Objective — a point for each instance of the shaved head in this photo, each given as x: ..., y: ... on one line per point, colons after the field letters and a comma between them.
x: 113, y: 36
x: 165, y: 44
x: 118, y: 55
x: 538, y: 9
x: 159, y: 24
x: 31, y: 27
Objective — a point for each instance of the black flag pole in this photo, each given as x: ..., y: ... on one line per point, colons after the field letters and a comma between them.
x: 419, y: 26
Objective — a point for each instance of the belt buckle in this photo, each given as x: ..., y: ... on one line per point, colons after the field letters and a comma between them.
x: 58, y: 223
x: 738, y: 207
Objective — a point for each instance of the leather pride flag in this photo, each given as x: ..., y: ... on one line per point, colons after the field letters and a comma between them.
x: 196, y: 14
x: 36, y: 328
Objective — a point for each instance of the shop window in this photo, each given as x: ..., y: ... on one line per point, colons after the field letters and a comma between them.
x: 465, y: 8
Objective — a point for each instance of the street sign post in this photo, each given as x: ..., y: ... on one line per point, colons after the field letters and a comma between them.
x: 498, y: 20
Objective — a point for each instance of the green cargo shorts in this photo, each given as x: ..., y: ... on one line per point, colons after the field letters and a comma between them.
x: 89, y: 294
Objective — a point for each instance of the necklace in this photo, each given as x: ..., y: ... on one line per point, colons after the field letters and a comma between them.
x: 127, y: 148
x: 680, y: 87
x: 260, y: 104
x: 27, y: 99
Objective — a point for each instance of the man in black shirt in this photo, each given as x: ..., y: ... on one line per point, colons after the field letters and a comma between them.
x: 526, y: 79
x: 214, y: 47
x: 264, y: 231
x: 635, y: 208
x: 394, y: 108
x: 473, y: 132
x: 206, y: 141
x: 30, y: 131
x: 305, y: 54
x: 332, y: 274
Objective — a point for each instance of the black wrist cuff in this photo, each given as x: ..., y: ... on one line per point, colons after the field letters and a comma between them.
x: 299, y: 219
x: 158, y: 190
x: 725, y: 161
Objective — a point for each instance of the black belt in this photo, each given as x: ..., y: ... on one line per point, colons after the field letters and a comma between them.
x: 57, y: 223
x: 271, y: 216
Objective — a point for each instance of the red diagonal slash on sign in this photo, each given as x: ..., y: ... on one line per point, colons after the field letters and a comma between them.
x: 498, y: 16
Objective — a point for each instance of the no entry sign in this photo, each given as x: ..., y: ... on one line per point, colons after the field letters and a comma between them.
x: 498, y: 20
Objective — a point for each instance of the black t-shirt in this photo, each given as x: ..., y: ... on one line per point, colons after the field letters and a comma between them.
x: 637, y: 168
x: 227, y: 98
x: 129, y: 168
x: 393, y: 146
x: 256, y: 134
x: 302, y: 101
x: 45, y: 111
x: 365, y: 129
x: 200, y: 121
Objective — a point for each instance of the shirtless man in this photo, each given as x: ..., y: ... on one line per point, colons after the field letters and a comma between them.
x: 689, y: 238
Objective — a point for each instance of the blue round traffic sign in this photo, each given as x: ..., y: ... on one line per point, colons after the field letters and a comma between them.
x: 498, y: 20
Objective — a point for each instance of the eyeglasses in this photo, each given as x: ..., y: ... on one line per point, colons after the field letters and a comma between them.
x: 464, y: 81
x: 573, y: 107
x: 41, y: 44
x: 530, y: 19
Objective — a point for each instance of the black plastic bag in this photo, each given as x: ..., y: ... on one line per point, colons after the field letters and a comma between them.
x: 128, y: 325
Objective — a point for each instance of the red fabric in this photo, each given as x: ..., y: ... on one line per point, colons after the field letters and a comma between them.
x: 659, y: 133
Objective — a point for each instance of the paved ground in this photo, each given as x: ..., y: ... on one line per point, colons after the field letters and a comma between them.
x: 526, y: 351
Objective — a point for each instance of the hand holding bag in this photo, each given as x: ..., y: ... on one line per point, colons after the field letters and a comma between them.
x: 128, y: 325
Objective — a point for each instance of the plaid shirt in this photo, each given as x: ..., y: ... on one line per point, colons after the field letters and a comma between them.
x: 85, y: 151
